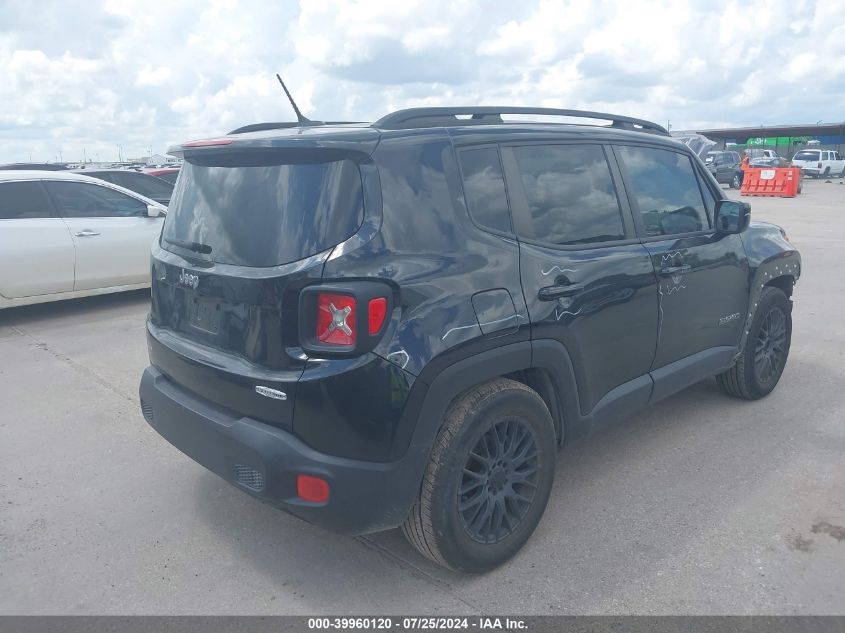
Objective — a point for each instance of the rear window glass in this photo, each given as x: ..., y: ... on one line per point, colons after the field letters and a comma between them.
x: 806, y: 155
x: 262, y: 215
x: 485, y: 188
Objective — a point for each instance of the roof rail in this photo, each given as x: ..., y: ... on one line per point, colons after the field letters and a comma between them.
x: 280, y: 125
x: 486, y: 115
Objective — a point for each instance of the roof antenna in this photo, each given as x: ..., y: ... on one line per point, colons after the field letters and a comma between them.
x: 301, y: 118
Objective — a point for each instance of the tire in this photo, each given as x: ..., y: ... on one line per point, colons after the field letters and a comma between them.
x: 736, y: 182
x: 469, y: 531
x: 842, y: 173
x: 752, y: 377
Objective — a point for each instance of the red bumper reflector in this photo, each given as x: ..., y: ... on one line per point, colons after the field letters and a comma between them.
x: 310, y: 488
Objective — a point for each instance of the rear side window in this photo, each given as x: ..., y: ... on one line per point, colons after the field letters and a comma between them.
x: 252, y: 210
x: 84, y: 200
x: 665, y: 189
x: 570, y: 194
x: 484, y: 188
x: 24, y: 200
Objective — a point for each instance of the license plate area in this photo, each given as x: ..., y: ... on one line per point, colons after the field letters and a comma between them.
x: 204, y: 314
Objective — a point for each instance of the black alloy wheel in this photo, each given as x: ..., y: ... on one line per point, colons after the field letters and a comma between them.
x: 499, y: 481
x: 770, y: 347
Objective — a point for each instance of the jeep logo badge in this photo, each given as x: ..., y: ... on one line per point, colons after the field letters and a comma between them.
x: 187, y: 279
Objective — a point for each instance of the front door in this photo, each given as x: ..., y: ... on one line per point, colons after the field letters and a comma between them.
x: 111, y: 232
x: 587, y: 282
x: 702, y: 275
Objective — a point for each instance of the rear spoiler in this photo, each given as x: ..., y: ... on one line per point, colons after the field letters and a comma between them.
x: 325, y: 144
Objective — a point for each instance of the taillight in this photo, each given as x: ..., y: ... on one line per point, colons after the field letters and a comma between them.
x: 346, y: 318
x: 336, y: 319
x: 377, y: 311
x: 208, y: 142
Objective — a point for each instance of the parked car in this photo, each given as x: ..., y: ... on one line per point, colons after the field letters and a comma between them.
x: 769, y: 161
x: 820, y: 163
x: 148, y: 186
x: 63, y: 236
x: 725, y: 167
x: 168, y: 174
x: 395, y: 324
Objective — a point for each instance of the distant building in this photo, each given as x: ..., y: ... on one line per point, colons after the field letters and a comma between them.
x: 783, y: 139
x: 161, y: 159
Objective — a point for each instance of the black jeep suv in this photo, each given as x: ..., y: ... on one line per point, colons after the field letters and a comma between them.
x: 395, y: 324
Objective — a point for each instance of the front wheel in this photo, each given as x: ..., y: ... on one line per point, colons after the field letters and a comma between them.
x: 488, y: 478
x: 758, y: 369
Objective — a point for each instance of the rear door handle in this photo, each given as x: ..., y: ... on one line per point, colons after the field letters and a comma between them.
x: 550, y: 293
x: 668, y: 271
x: 86, y: 233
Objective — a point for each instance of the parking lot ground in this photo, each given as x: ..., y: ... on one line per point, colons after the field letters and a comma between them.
x: 700, y: 505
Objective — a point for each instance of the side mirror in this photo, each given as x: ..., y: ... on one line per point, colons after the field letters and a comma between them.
x: 732, y: 216
x: 154, y: 211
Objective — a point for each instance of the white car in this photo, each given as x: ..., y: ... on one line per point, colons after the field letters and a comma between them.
x: 820, y: 163
x: 65, y: 235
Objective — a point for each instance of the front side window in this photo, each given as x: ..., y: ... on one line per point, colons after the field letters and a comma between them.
x: 664, y: 190
x: 570, y: 193
x: 484, y: 188
x: 23, y: 201
x: 84, y: 200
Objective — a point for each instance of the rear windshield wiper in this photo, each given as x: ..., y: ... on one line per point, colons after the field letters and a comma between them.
x: 191, y: 246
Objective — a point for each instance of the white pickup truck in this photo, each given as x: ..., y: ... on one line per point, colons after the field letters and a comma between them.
x: 820, y: 163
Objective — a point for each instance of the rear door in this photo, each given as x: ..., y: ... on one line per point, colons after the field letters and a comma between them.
x: 36, y: 250
x: 587, y: 281
x: 702, y: 275
x: 111, y: 232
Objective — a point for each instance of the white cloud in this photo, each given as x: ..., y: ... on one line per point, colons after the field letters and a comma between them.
x: 97, y: 75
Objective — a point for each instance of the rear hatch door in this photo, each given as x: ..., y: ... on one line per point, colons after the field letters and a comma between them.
x: 247, y: 229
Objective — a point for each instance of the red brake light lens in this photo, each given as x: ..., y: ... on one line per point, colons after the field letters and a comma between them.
x: 208, y: 142
x: 336, y: 319
x: 377, y: 312
x: 310, y: 488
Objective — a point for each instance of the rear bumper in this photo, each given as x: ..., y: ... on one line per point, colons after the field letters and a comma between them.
x: 264, y: 461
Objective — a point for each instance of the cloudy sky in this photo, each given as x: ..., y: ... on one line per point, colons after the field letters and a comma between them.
x: 102, y: 75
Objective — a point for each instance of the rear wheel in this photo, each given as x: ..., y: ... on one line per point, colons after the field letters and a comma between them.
x: 758, y: 369
x: 488, y: 479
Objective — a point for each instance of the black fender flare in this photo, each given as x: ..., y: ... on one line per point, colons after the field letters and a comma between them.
x: 548, y: 355
x: 786, y: 264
